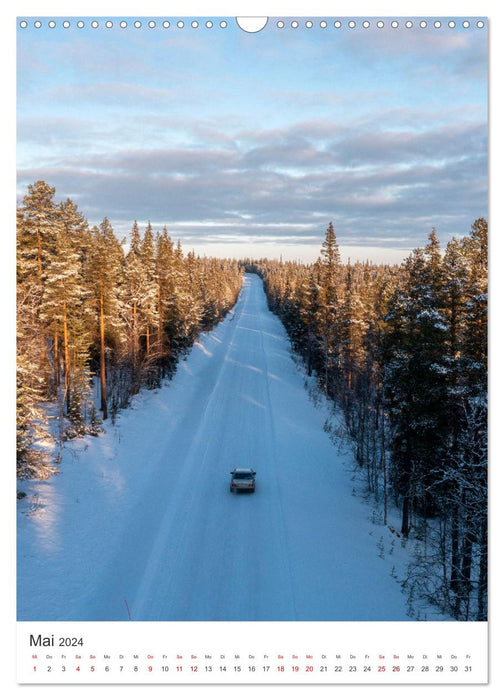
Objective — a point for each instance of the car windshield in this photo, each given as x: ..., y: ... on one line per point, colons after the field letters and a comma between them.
x: 242, y: 475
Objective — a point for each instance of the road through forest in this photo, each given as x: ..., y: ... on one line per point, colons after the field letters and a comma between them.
x: 140, y: 522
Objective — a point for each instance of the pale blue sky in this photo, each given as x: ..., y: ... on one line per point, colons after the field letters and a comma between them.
x: 249, y: 144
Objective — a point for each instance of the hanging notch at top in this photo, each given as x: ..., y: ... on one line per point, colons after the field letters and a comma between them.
x: 252, y: 24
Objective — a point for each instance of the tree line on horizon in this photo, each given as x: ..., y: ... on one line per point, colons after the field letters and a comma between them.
x: 401, y: 351
x: 91, y: 316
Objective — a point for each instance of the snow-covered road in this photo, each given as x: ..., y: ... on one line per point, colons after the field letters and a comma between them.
x: 140, y: 522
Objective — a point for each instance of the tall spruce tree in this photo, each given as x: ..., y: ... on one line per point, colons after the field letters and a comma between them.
x: 105, y: 270
x: 133, y: 297
x: 329, y: 302
x: 149, y: 311
x: 415, y: 380
x: 164, y: 274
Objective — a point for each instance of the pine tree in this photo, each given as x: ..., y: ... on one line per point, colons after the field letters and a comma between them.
x: 415, y: 385
x: 133, y: 297
x: 304, y: 330
x: 76, y: 228
x: 31, y: 420
x: 149, y: 319
x: 83, y: 305
x: 412, y: 348
x: 353, y: 328
x: 329, y: 311
x: 105, y: 268
x: 64, y: 311
x: 455, y: 291
x: 39, y: 217
x: 186, y: 304
x: 164, y: 275
x: 469, y: 477
x: 475, y: 339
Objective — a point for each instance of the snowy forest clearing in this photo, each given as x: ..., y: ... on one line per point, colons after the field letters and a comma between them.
x: 140, y: 522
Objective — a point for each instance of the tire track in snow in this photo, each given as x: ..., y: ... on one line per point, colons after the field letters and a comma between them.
x: 175, y: 521
x: 280, y: 519
x: 134, y: 555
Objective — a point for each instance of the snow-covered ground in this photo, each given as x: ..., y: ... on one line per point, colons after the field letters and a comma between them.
x: 140, y: 521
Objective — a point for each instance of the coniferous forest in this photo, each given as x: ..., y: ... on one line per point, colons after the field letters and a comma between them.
x: 88, y: 312
x: 400, y: 351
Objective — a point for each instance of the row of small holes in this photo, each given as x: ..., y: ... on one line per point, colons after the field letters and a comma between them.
x: 294, y: 24
x: 94, y: 24
x: 395, y: 24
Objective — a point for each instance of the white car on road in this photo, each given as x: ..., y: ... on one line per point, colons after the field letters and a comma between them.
x: 242, y: 480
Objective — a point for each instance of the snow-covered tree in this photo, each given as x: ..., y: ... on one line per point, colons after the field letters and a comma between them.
x: 403, y: 351
x: 104, y: 270
x: 39, y: 217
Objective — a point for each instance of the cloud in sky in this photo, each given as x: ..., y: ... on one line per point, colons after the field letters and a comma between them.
x: 228, y: 137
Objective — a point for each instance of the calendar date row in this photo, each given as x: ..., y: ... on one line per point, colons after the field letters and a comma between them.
x: 261, y: 669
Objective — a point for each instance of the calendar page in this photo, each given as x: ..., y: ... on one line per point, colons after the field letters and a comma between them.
x: 251, y: 283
